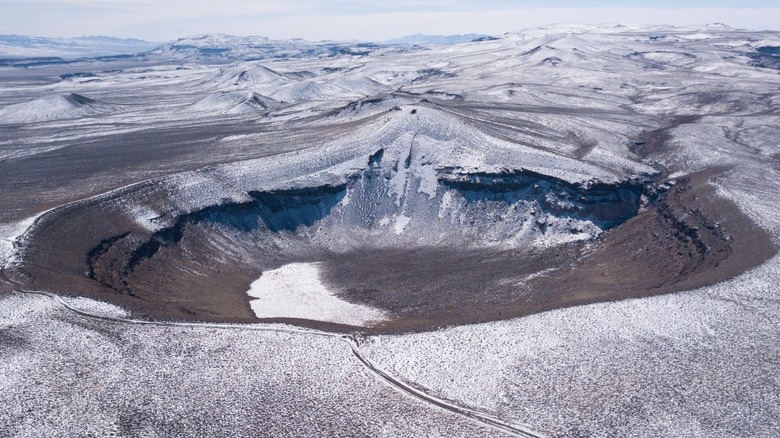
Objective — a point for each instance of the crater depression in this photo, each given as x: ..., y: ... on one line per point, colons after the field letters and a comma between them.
x: 413, y: 227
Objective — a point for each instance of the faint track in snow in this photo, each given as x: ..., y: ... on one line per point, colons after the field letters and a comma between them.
x: 387, y: 378
x: 485, y: 419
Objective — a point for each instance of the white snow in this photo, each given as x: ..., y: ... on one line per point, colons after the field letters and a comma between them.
x: 17, y: 46
x: 296, y: 291
x: 236, y: 102
x: 401, y: 221
x: 428, y: 181
x: 9, y: 233
x: 67, y: 375
x: 97, y: 308
x: 145, y: 217
x: 52, y: 107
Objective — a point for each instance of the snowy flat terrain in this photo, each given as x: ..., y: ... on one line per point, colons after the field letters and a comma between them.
x: 563, y: 231
x: 68, y: 375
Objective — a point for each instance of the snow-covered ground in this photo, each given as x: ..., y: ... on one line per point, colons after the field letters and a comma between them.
x: 701, y: 363
x: 9, y: 233
x: 146, y: 144
x: 296, y: 291
x: 63, y: 374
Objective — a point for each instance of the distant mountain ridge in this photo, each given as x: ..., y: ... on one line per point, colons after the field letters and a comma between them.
x: 209, y: 46
x: 232, y: 47
x: 260, y: 47
x: 29, y: 51
x: 23, y: 46
x: 422, y: 40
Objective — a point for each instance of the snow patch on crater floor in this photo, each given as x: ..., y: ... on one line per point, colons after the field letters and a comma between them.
x: 295, y: 291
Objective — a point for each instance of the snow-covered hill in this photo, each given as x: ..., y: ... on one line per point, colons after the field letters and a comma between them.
x: 53, y: 107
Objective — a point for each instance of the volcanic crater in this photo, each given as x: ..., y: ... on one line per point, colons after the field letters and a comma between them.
x: 399, y: 230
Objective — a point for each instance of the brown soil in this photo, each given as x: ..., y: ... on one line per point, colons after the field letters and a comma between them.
x: 6, y: 286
